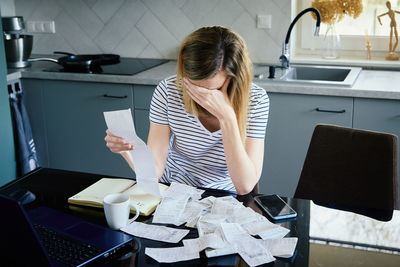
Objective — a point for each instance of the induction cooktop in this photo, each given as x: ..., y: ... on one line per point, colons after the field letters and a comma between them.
x: 125, y: 66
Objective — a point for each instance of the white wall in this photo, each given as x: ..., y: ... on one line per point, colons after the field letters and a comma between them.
x: 151, y: 28
x: 7, y: 8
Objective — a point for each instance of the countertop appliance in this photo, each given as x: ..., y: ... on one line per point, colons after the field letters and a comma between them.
x: 125, y: 66
x: 18, y: 46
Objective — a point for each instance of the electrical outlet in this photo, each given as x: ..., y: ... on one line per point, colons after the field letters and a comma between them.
x: 41, y: 26
x: 30, y: 26
x: 49, y: 27
x: 264, y: 21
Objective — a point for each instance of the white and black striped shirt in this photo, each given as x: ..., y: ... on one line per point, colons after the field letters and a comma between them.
x: 196, y: 155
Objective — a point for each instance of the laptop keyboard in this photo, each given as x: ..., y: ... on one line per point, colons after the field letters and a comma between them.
x: 63, y: 248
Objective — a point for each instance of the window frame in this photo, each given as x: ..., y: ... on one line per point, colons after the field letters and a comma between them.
x: 353, y: 46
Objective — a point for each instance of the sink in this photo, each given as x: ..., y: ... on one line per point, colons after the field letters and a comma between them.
x: 316, y: 75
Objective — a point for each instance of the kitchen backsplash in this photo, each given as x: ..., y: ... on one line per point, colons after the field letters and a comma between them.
x: 151, y: 28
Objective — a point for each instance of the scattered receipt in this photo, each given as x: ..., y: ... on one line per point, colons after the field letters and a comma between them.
x: 225, y: 226
x: 175, y: 254
x: 155, y: 232
x: 120, y: 123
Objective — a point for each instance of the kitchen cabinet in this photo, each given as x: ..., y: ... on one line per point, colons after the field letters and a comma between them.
x: 292, y: 119
x: 7, y: 153
x: 142, y: 100
x: 382, y: 115
x: 69, y: 127
x: 142, y: 124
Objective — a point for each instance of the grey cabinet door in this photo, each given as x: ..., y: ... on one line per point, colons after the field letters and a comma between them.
x: 142, y: 124
x: 292, y: 119
x: 75, y: 126
x: 377, y: 115
x: 143, y: 95
x: 142, y: 100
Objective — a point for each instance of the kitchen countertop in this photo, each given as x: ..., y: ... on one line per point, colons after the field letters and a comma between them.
x: 369, y: 84
x: 149, y: 77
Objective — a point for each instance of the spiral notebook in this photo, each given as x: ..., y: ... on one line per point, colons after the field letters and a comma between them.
x: 93, y: 195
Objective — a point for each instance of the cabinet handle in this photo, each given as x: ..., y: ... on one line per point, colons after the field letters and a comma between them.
x: 330, y: 111
x: 115, y: 96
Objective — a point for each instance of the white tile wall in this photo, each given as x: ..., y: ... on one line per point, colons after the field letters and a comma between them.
x: 106, y: 9
x: 7, y: 8
x: 152, y: 28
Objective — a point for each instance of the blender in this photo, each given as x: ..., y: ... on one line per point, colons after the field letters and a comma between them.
x: 18, y: 46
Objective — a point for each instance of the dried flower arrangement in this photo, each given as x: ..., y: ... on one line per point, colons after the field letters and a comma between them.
x: 333, y: 11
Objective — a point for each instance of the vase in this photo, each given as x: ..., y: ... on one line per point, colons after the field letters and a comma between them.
x: 331, y: 43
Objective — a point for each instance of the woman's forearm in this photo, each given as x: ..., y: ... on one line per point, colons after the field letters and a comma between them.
x: 160, y: 162
x: 127, y: 156
x: 241, y: 168
x: 158, y: 141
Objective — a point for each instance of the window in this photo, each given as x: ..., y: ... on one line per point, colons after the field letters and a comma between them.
x: 348, y: 227
x: 352, y: 31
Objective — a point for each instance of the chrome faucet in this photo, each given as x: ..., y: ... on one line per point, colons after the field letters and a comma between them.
x: 285, y: 57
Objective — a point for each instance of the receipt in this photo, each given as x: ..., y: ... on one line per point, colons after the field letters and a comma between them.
x: 274, y: 233
x: 245, y: 215
x: 249, y: 248
x: 225, y: 206
x: 170, y: 210
x: 175, y: 254
x: 233, y: 232
x: 155, y: 232
x: 209, y: 201
x: 210, y: 223
x: 120, y: 123
x: 252, y: 252
x: 191, y: 214
x: 283, y: 248
x: 225, y: 226
x: 205, y: 241
x: 177, y: 189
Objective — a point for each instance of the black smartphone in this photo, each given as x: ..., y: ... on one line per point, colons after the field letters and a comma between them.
x: 275, y: 207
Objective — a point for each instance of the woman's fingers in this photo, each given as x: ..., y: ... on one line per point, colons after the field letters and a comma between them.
x: 109, y: 132
x: 190, y: 91
x: 214, y: 101
x: 113, y: 138
x: 118, y: 147
x: 197, y: 93
x: 117, y: 144
x: 193, y: 96
x: 225, y: 85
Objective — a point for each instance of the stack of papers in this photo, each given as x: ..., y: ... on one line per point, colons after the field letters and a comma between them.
x: 224, y: 224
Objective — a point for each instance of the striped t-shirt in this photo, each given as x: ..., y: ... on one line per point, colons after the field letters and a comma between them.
x: 196, y: 155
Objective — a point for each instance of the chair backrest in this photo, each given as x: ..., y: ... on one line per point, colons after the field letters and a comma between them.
x: 351, y: 169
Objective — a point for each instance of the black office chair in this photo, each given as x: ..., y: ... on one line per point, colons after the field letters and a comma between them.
x: 352, y: 170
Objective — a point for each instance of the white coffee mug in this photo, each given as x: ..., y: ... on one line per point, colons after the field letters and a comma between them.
x: 117, y: 208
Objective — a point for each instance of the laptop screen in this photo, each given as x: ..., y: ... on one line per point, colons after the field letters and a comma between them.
x: 22, y: 245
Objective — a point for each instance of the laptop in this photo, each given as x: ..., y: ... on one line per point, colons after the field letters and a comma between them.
x: 38, y: 237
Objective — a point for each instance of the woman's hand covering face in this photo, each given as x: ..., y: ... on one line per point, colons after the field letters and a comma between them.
x: 215, y: 101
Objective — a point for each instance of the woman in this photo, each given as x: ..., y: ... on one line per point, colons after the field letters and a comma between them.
x: 207, y: 122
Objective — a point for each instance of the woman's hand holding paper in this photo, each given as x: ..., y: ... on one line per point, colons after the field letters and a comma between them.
x: 117, y: 144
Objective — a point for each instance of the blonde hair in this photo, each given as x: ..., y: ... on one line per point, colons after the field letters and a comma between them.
x: 202, y: 54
